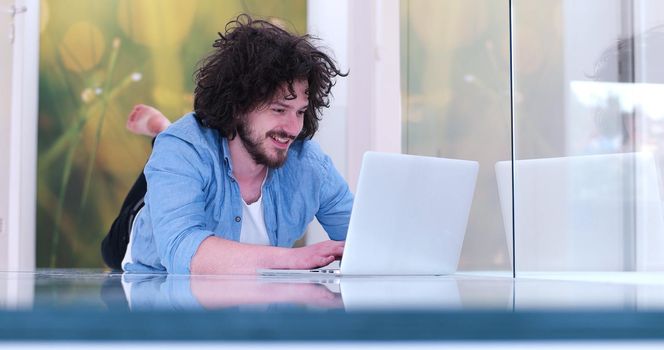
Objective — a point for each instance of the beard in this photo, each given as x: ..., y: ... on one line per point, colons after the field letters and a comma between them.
x: 254, y: 144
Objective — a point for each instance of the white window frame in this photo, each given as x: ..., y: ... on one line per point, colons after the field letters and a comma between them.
x: 22, y: 170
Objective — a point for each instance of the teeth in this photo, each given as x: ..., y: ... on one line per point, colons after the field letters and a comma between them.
x: 280, y: 139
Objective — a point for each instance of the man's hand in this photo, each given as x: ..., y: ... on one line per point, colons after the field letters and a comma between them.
x: 315, y: 255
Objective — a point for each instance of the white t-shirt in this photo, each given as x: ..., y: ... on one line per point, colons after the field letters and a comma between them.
x: 253, y: 224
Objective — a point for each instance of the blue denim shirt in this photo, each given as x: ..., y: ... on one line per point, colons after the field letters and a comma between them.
x: 192, y: 195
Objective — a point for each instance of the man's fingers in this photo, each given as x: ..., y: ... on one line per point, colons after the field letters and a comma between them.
x: 337, y: 245
x: 320, y: 254
x: 326, y: 260
x: 335, y: 250
x: 339, y: 251
x: 331, y: 243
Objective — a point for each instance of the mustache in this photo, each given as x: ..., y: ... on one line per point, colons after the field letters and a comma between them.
x: 280, y: 134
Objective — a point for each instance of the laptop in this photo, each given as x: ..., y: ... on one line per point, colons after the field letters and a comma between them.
x: 409, y: 217
x: 584, y: 213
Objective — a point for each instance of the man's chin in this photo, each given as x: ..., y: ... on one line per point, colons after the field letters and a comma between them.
x: 274, y: 162
x: 277, y: 163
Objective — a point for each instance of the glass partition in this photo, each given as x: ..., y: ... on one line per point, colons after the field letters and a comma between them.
x: 455, y: 88
x: 584, y: 192
x: 588, y: 136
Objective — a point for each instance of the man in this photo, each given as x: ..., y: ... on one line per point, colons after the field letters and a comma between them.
x: 232, y: 186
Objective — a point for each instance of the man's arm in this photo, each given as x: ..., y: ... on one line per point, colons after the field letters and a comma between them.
x: 336, y: 202
x: 221, y: 256
x: 177, y: 174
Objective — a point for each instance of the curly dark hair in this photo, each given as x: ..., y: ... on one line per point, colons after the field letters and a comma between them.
x: 616, y: 62
x: 251, y: 62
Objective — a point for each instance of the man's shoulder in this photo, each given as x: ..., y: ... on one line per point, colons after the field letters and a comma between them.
x: 188, y: 129
x: 307, y: 158
x: 307, y: 151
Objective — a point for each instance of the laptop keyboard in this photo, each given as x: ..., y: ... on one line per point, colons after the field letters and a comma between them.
x: 325, y: 271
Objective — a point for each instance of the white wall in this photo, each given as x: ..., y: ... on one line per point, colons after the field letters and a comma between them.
x: 374, y: 95
x: 328, y: 20
x: 19, y: 122
x: 5, y: 127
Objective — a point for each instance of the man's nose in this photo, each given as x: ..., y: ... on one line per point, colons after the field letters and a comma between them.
x: 293, y: 123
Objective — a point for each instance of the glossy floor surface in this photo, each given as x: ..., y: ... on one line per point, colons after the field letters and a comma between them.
x: 496, y: 291
x: 93, y: 305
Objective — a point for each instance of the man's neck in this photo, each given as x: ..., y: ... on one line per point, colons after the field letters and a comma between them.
x: 245, y: 168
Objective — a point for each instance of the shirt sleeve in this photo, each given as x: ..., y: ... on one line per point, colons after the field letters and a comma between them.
x: 336, y: 202
x: 177, y: 175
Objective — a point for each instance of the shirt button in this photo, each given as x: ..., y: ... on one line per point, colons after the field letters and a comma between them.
x: 237, y: 219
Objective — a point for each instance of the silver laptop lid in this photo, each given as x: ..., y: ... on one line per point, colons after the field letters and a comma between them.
x: 409, y: 216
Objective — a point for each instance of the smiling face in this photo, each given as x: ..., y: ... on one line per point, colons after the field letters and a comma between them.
x: 268, y: 131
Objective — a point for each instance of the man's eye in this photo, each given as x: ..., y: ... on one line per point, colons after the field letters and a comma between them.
x: 300, y: 113
x: 278, y: 110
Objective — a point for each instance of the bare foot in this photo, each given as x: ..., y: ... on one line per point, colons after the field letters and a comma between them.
x: 146, y: 120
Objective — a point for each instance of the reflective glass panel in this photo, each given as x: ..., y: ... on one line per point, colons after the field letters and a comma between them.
x: 455, y: 88
x: 588, y: 135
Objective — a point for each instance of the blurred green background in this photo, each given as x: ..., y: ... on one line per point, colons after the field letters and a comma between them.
x: 97, y: 60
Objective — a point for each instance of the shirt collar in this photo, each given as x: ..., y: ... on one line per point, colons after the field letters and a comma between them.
x: 226, y: 152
